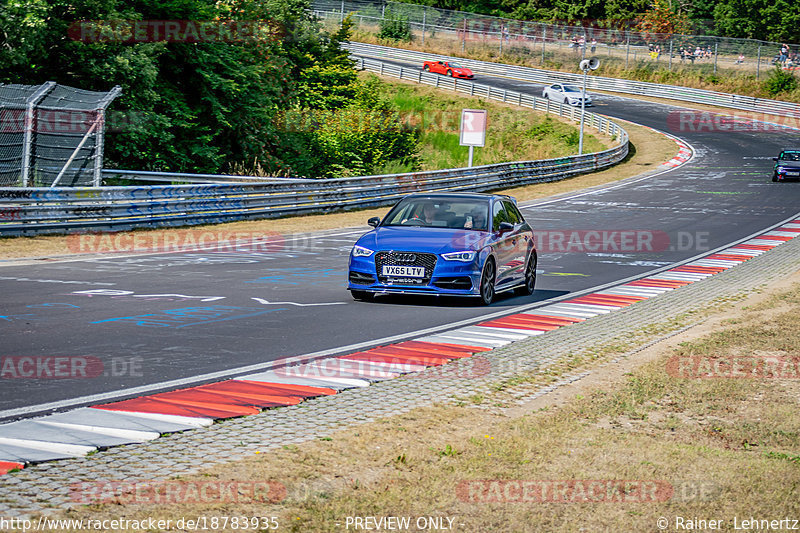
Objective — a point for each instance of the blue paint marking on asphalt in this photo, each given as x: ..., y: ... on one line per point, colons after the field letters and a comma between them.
x: 10, y: 318
x: 179, y: 318
x: 56, y: 305
x: 299, y: 276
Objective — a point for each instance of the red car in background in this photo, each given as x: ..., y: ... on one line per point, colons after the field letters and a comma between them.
x: 448, y: 68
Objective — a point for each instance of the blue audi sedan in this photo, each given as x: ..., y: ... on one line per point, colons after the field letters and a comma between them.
x: 455, y: 244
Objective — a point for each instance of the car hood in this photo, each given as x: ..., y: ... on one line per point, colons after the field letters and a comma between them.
x: 424, y: 239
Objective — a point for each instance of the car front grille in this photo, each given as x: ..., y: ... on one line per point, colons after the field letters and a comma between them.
x: 416, y: 259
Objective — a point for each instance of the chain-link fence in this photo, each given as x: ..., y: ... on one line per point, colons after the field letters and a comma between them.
x: 51, y: 135
x: 554, y: 44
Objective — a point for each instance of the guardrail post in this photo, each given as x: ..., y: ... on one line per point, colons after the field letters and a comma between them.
x: 437, y: 82
x: 381, y: 68
x: 341, y: 18
x: 519, y: 99
x: 472, y: 89
x: 419, y: 77
x: 504, y: 95
x: 401, y: 73
x: 464, y: 36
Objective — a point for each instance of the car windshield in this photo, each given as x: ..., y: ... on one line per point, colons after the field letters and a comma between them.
x: 456, y: 65
x: 456, y: 213
x: 571, y: 89
x: 790, y: 156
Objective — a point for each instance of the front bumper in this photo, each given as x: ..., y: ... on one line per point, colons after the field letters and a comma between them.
x: 789, y: 173
x: 454, y: 278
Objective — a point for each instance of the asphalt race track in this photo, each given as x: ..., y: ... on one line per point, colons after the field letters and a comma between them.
x: 148, y: 319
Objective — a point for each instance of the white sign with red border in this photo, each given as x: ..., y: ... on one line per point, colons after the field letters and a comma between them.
x: 473, y: 127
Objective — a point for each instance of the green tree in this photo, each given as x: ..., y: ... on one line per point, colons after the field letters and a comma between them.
x: 773, y: 20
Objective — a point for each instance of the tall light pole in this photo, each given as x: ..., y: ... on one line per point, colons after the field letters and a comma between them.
x: 586, y: 65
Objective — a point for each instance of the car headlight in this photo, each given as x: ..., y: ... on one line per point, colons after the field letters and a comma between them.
x: 781, y: 169
x: 360, y: 251
x: 465, y: 256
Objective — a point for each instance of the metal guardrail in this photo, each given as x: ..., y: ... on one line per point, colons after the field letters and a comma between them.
x: 147, y: 175
x: 35, y: 211
x: 672, y: 92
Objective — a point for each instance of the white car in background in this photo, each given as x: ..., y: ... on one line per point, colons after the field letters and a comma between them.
x: 567, y: 94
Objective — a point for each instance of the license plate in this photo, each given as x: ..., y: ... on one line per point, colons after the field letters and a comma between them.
x: 403, y: 271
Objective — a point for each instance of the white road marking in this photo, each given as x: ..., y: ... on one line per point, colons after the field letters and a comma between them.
x: 267, y: 302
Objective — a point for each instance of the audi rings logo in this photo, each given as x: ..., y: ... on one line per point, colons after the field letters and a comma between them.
x: 405, y: 258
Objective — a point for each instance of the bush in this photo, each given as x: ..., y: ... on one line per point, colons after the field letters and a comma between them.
x: 780, y: 81
x: 395, y: 27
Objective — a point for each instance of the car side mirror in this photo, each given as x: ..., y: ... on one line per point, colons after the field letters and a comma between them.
x: 775, y: 159
x: 374, y: 221
x: 505, y: 226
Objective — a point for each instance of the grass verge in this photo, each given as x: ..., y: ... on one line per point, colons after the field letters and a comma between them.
x: 715, y: 449
x: 513, y: 134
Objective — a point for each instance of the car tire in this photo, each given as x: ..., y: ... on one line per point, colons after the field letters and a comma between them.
x: 530, y: 277
x: 488, y: 276
x: 546, y: 96
x: 450, y: 73
x: 775, y: 176
x: 426, y: 68
x: 362, y: 296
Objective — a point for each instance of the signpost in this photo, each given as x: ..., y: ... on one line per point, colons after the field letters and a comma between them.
x: 473, y: 129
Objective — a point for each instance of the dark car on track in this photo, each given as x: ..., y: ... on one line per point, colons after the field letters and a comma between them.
x: 459, y: 244
x: 787, y: 166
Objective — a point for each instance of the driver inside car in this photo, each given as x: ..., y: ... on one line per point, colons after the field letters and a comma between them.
x: 476, y: 220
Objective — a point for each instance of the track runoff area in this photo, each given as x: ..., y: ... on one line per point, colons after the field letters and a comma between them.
x: 123, y: 347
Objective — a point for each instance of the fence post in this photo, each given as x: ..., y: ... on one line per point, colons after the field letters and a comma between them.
x: 716, y: 45
x: 627, y: 51
x: 670, y: 53
x: 758, y: 61
x: 544, y: 39
x: 464, y: 36
x: 424, y: 16
x: 501, y: 40
x: 341, y: 18
x: 97, y: 179
x: 28, y: 137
